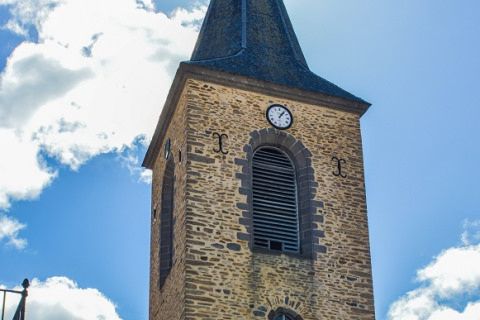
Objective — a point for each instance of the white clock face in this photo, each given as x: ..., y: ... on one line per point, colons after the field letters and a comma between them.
x: 279, y: 116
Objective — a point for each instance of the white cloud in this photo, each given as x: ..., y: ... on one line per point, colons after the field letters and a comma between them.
x: 454, y: 274
x: 9, y: 229
x: 130, y: 161
x: 95, y: 81
x: 23, y: 172
x: 471, y: 233
x: 28, y: 13
x: 59, y: 298
x: 34, y: 78
x: 454, y: 271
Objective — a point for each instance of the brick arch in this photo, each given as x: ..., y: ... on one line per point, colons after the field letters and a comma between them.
x: 283, y: 311
x: 306, y: 184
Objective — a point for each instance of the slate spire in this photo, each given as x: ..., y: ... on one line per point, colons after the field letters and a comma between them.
x: 255, y: 38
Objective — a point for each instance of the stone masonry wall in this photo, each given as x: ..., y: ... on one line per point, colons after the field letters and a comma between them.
x: 169, y: 302
x: 224, y: 278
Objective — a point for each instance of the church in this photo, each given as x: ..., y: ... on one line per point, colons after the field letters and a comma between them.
x: 258, y: 195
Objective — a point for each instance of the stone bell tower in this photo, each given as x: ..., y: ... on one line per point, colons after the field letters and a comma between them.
x: 258, y: 196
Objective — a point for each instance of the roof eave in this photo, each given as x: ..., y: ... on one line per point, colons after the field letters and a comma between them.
x: 165, y: 116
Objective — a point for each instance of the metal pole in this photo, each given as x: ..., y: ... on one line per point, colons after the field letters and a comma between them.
x: 3, y: 309
x: 25, y: 286
x: 20, y: 313
x: 24, y: 303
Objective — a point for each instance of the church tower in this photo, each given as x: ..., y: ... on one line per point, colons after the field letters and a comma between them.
x: 258, y: 195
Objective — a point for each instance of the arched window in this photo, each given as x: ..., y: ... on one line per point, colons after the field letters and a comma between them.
x: 275, y: 209
x: 166, y: 223
x: 281, y: 212
x: 283, y: 314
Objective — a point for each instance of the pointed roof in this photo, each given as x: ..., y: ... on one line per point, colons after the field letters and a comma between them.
x: 251, y: 45
x: 255, y: 38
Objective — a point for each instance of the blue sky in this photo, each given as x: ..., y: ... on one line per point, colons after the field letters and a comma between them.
x: 80, y: 95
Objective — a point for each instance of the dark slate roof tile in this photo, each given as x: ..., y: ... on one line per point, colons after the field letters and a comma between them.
x: 255, y: 38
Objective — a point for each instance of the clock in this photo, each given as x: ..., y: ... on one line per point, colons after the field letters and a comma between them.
x: 279, y: 117
x: 167, y: 148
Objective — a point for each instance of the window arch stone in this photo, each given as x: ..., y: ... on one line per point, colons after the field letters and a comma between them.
x: 286, y: 313
x: 309, y: 219
x: 165, y: 254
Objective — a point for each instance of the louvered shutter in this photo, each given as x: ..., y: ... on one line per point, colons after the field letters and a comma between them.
x: 166, y: 223
x: 275, y: 218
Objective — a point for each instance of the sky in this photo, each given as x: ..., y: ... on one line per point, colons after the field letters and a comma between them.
x: 82, y: 83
